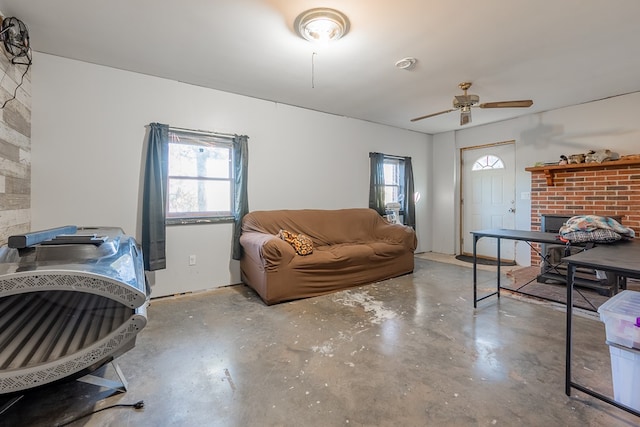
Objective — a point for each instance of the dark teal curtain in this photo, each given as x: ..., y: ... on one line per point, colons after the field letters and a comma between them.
x: 154, y: 198
x: 409, y: 197
x: 241, y: 203
x: 376, y: 182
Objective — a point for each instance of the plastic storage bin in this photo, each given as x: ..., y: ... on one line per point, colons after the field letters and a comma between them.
x: 625, y: 371
x: 621, y: 316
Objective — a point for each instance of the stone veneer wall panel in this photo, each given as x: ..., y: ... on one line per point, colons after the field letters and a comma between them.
x: 15, y: 150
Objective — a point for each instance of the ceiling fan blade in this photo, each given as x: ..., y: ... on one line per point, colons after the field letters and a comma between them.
x: 465, y: 117
x: 431, y: 115
x: 507, y: 104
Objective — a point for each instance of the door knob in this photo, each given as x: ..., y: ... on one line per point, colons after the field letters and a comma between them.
x: 512, y: 210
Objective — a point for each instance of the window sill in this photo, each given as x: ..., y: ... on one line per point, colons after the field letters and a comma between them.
x: 192, y: 221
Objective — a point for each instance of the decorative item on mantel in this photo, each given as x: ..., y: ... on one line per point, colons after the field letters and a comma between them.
x: 576, y: 158
x: 565, y: 163
x: 600, y: 156
x: 592, y: 156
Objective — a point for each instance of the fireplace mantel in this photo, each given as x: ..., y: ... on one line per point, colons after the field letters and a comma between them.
x: 550, y: 170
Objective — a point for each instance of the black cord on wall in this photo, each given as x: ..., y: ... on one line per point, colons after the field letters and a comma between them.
x: 15, y: 91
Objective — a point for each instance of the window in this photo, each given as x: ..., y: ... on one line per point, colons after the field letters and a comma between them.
x: 391, y: 181
x: 394, y: 181
x: 200, y: 180
x: 488, y: 162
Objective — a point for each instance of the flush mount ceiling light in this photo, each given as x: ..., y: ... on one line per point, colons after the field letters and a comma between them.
x: 406, y: 63
x: 321, y: 25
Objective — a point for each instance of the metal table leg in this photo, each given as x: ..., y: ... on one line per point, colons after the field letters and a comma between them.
x: 475, y: 273
x: 498, y: 270
x: 571, y: 273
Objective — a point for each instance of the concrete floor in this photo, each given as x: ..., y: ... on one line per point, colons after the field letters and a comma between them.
x: 410, y: 351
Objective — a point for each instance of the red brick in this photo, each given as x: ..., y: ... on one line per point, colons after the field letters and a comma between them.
x: 614, y: 191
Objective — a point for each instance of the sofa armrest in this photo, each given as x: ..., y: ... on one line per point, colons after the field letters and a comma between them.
x: 267, y: 248
x: 399, y: 234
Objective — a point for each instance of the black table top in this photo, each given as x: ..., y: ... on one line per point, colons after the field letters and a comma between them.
x: 622, y: 257
x: 530, y: 236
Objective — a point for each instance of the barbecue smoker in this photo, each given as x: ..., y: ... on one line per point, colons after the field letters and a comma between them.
x: 71, y: 300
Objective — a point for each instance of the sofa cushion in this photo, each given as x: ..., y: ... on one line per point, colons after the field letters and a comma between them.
x: 334, y: 258
x: 301, y: 243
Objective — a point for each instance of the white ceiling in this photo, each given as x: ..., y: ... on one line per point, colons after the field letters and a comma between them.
x: 556, y: 52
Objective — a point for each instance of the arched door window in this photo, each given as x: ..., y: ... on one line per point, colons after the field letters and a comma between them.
x: 488, y: 162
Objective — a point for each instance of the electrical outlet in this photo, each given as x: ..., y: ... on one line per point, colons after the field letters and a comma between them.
x: 192, y: 260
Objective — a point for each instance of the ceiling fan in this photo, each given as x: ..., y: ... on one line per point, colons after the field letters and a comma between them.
x: 465, y: 101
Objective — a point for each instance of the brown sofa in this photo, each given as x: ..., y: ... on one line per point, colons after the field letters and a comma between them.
x: 350, y: 247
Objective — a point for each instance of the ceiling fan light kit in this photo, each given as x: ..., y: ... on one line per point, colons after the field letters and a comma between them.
x: 465, y: 101
x: 321, y: 25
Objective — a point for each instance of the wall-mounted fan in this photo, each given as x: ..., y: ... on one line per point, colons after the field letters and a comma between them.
x: 465, y: 101
x: 15, y: 38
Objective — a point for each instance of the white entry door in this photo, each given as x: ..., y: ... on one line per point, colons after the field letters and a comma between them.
x: 488, y: 197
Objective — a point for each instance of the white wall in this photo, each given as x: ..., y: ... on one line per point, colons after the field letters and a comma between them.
x: 443, y: 179
x: 611, y: 123
x: 88, y: 133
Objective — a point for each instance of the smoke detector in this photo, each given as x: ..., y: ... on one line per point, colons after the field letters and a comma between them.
x: 406, y: 63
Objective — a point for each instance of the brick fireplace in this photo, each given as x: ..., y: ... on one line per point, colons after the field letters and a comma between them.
x: 606, y: 189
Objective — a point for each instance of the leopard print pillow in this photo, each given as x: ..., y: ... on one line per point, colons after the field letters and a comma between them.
x: 301, y: 243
